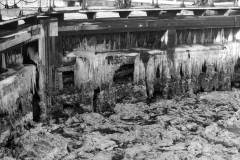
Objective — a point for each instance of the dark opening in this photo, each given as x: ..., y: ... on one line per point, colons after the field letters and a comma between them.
x: 158, y: 73
x: 236, y: 78
x: 95, y: 97
x: 204, y: 67
x: 29, y: 59
x: 181, y: 71
x: 124, y: 74
x: 68, y: 79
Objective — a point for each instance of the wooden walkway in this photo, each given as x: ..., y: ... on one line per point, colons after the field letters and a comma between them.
x: 164, y: 13
x: 154, y: 12
x: 147, y: 24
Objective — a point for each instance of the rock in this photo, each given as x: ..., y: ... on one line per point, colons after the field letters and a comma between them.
x: 134, y: 151
x: 222, y: 136
x: 192, y: 126
x: 92, y: 118
x: 86, y: 108
x: 195, y: 148
x: 139, y: 93
x: 236, y: 157
x: 4, y: 137
x: 74, y: 145
x: 131, y: 112
x: 71, y: 133
x: 95, y: 141
x: 39, y: 144
x: 103, y: 156
x: 8, y: 158
x: 73, y: 119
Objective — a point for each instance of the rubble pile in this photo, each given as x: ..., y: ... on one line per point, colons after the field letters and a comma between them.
x: 202, y: 127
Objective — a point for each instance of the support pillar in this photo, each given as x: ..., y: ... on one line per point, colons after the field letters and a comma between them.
x: 182, y: 4
x: 47, y: 62
x: 84, y: 4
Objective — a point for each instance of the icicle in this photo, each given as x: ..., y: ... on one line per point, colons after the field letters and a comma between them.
x: 230, y: 36
x: 195, y: 38
x: 150, y: 75
x: 189, y: 38
x: 164, y: 38
x: 180, y: 38
x: 139, y: 70
x: 237, y: 35
x: 203, y: 37
x: 3, y: 61
x: 219, y: 37
x: 93, y: 69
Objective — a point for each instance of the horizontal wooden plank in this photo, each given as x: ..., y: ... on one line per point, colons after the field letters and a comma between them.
x: 22, y: 36
x: 155, y: 9
x: 152, y: 24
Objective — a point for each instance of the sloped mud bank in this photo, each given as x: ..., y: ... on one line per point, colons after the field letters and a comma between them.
x: 203, y: 127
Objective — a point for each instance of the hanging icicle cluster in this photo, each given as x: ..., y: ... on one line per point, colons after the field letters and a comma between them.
x: 15, y: 86
x: 187, y: 67
x: 93, y: 70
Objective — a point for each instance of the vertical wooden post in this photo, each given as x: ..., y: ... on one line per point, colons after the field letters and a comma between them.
x: 48, y: 59
x: 182, y: 4
x: 84, y: 4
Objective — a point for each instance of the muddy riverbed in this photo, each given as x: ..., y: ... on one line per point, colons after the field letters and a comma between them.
x: 201, y: 127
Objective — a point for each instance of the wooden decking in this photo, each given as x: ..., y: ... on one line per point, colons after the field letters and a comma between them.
x: 146, y: 24
x: 154, y: 12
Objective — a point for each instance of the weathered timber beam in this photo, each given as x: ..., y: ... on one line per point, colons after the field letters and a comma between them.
x: 13, y: 23
x: 22, y: 36
x: 17, y: 19
x: 151, y: 25
x: 10, y: 26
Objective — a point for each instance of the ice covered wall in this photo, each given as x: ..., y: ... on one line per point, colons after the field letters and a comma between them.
x: 94, y: 70
x: 15, y: 86
x: 170, y: 62
x: 190, y: 69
